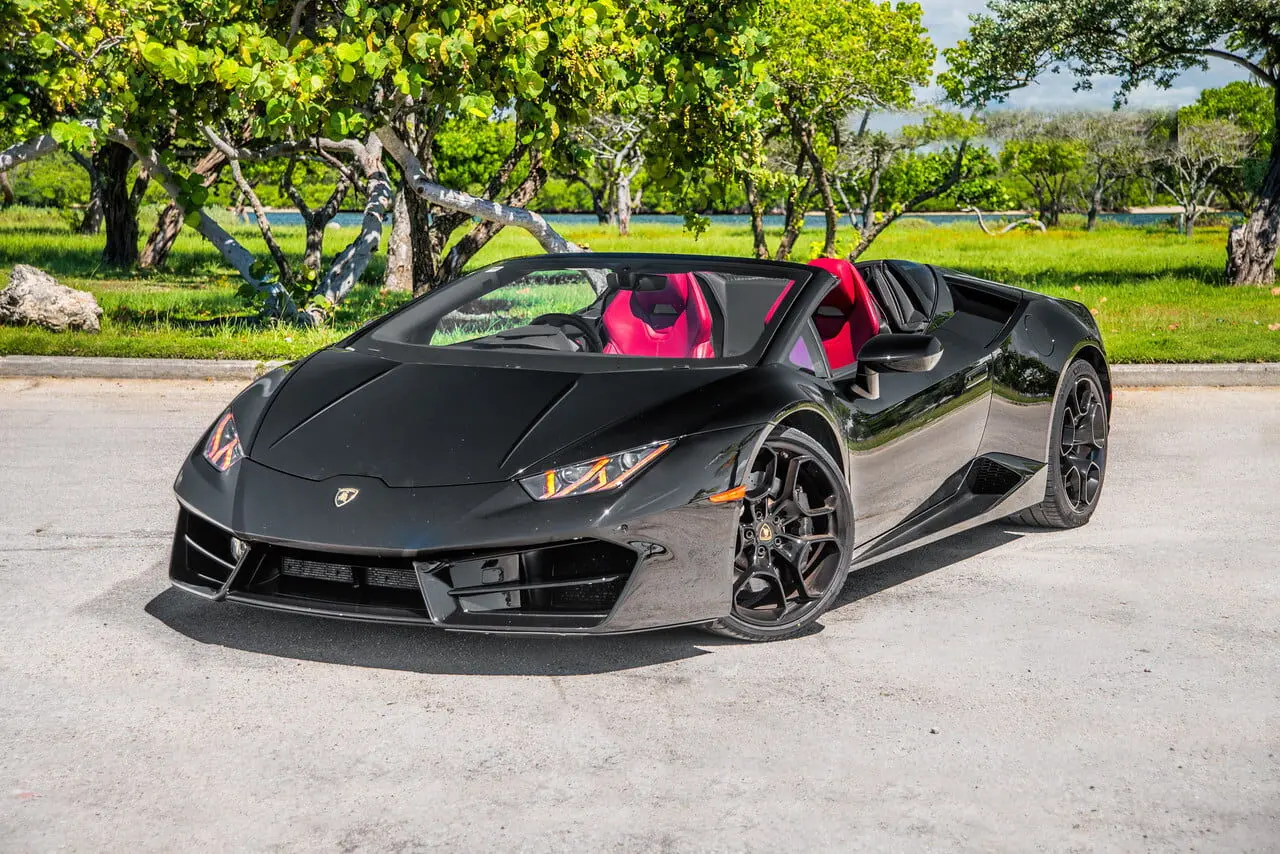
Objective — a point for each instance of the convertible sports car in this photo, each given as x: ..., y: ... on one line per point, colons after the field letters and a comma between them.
x: 603, y: 443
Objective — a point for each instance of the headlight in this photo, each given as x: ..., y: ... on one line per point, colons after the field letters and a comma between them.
x: 598, y: 475
x: 223, y: 448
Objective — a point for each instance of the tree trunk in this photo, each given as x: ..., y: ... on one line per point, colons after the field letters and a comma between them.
x: 91, y: 219
x: 467, y: 204
x: 482, y: 232
x: 315, y: 226
x: 1251, y: 247
x: 162, y: 238
x: 1095, y: 202
x: 805, y: 136
x: 793, y: 217
x: 169, y: 225
x: 399, y: 276
x: 602, y: 215
x: 351, y: 262
x: 829, y: 211
x: 870, y: 234
x: 424, y: 254
x: 279, y: 303
x: 6, y: 189
x: 623, y: 199
x: 119, y: 213
x: 759, y: 240
x: 26, y: 151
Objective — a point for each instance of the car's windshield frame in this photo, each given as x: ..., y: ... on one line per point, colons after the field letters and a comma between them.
x: 391, y: 335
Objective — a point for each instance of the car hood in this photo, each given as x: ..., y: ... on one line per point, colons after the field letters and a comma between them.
x: 422, y: 424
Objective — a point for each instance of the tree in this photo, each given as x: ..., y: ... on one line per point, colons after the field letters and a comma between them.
x: 316, y: 220
x: 1197, y: 153
x: 91, y: 220
x: 613, y: 147
x: 981, y: 184
x: 206, y: 171
x: 1039, y: 149
x: 1139, y: 41
x: 264, y: 80
x: 1113, y: 146
x: 828, y: 58
x: 1247, y: 105
x: 875, y: 155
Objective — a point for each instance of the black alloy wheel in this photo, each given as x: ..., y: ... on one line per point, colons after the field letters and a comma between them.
x: 794, y: 540
x: 1083, y: 445
x: 1078, y: 448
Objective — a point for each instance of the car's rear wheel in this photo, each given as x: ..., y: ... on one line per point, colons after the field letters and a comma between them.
x: 794, y: 540
x: 1077, y: 453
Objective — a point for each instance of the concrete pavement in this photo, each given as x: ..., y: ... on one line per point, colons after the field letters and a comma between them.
x: 1114, y: 688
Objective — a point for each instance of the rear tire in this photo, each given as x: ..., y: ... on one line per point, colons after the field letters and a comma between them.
x: 794, y: 541
x: 1077, y: 453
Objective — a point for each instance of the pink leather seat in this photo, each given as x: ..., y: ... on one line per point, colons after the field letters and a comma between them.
x: 847, y: 318
x: 671, y: 323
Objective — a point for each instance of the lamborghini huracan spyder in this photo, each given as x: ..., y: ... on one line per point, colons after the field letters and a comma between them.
x: 604, y: 443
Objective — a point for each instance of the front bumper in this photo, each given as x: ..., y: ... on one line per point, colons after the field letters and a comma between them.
x: 481, y: 557
x: 672, y: 568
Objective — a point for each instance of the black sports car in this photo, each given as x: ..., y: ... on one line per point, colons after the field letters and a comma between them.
x: 614, y: 442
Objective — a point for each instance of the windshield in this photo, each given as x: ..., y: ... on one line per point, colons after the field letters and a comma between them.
x: 659, y: 307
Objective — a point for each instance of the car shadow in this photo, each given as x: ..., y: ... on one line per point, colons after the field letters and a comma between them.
x: 417, y: 649
x: 427, y: 650
x: 906, y: 567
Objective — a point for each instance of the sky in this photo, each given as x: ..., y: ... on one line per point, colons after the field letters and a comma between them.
x: 948, y: 22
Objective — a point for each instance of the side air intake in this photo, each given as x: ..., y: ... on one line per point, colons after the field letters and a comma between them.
x: 987, y: 477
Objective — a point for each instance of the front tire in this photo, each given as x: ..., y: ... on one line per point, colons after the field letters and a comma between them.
x: 1077, y: 453
x: 794, y: 540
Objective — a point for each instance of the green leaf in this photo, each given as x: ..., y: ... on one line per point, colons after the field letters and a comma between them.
x: 153, y: 52
x: 531, y: 84
x: 44, y: 44
x: 350, y: 51
x: 537, y: 42
x: 374, y: 64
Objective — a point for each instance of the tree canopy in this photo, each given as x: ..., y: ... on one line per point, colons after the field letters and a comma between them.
x: 1137, y: 41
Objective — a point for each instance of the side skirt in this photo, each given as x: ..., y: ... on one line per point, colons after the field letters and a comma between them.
x: 975, y: 495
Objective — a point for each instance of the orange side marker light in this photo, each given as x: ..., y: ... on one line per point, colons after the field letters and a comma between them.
x: 735, y: 494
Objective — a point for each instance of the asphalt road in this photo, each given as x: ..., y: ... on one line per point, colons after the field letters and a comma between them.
x: 1111, y: 688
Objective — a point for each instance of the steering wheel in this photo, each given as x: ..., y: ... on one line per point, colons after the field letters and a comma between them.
x: 555, y: 318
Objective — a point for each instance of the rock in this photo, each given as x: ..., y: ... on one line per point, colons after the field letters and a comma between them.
x: 34, y: 298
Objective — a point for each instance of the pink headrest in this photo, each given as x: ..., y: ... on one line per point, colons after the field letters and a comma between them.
x: 846, y: 274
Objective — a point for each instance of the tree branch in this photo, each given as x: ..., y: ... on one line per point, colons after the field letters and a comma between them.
x: 871, y: 231
x: 259, y: 212
x: 279, y: 302
x: 456, y: 200
x: 1252, y: 67
x: 24, y: 152
x: 350, y: 264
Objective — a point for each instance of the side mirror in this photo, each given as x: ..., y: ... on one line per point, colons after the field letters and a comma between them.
x: 904, y: 353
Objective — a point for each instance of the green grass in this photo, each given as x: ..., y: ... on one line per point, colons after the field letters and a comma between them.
x: 1157, y: 295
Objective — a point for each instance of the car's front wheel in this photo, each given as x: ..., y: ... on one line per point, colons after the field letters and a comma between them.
x: 794, y: 540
